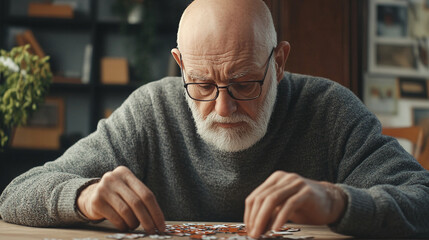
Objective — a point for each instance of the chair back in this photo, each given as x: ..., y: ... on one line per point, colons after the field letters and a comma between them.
x: 414, y: 134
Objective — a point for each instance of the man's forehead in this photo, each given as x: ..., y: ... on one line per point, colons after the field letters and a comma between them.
x: 229, y: 64
x: 216, y: 56
x: 209, y: 75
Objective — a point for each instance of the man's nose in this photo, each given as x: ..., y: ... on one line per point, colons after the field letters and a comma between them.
x: 225, y: 104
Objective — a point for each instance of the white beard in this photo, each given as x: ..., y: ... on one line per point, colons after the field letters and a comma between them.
x: 236, y: 139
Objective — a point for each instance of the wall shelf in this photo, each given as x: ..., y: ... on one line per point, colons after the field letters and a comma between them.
x: 49, y: 22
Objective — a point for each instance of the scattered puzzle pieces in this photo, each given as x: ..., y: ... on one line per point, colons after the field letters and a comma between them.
x: 126, y: 236
x: 211, y: 232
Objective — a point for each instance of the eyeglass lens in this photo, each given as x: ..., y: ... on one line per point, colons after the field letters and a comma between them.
x: 209, y: 91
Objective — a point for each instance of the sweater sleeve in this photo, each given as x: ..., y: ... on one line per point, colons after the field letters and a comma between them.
x: 46, y: 195
x: 387, y: 189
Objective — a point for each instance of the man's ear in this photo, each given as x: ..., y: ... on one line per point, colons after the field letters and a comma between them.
x: 176, y: 55
x: 280, y: 56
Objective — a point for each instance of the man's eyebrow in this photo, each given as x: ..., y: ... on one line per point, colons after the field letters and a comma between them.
x: 239, y: 74
x: 195, y: 75
x: 203, y: 77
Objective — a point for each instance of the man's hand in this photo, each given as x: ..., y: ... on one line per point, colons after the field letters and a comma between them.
x: 288, y: 196
x: 123, y: 200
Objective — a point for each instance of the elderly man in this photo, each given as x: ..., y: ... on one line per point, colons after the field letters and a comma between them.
x: 235, y: 138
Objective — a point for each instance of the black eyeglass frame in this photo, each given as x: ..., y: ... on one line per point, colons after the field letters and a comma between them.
x: 261, y: 82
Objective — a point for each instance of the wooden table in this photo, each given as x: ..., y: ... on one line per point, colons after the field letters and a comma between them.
x: 101, y: 230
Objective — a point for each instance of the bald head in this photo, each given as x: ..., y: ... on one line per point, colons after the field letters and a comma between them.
x: 211, y: 25
x: 226, y: 42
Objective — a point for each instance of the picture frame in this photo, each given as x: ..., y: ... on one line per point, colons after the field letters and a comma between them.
x: 420, y: 116
x: 381, y: 94
x: 419, y: 18
x: 414, y: 88
x: 391, y: 49
x: 44, y: 127
x: 391, y: 19
x: 396, y: 56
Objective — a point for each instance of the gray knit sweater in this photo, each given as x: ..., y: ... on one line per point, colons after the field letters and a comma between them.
x: 319, y: 130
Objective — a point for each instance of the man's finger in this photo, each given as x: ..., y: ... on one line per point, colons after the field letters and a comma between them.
x: 288, y: 209
x: 123, y: 210
x: 110, y: 214
x: 138, y: 207
x: 247, y: 210
x: 274, y: 196
x: 254, y: 200
x: 152, y: 208
x: 272, y: 218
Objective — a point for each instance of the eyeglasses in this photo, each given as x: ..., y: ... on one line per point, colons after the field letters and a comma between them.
x: 243, y: 91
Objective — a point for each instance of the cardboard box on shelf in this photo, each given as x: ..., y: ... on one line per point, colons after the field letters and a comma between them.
x: 44, y: 127
x: 114, y: 70
x: 50, y: 10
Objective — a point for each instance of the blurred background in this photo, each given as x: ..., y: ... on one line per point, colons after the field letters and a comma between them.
x: 102, y: 50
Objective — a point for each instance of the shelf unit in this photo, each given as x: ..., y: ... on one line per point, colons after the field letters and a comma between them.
x: 65, y: 40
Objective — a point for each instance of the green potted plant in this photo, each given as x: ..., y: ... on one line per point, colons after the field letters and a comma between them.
x: 24, y: 82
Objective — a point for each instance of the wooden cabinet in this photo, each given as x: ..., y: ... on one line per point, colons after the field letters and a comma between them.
x: 325, y: 37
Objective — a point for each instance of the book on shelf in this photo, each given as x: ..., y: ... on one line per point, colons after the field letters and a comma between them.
x: 20, y: 40
x: 86, y: 68
x: 28, y: 37
x: 49, y: 10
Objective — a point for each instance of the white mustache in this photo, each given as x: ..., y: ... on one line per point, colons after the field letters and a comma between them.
x: 235, y: 118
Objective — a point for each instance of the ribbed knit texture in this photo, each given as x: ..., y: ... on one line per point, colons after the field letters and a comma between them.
x: 319, y: 130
